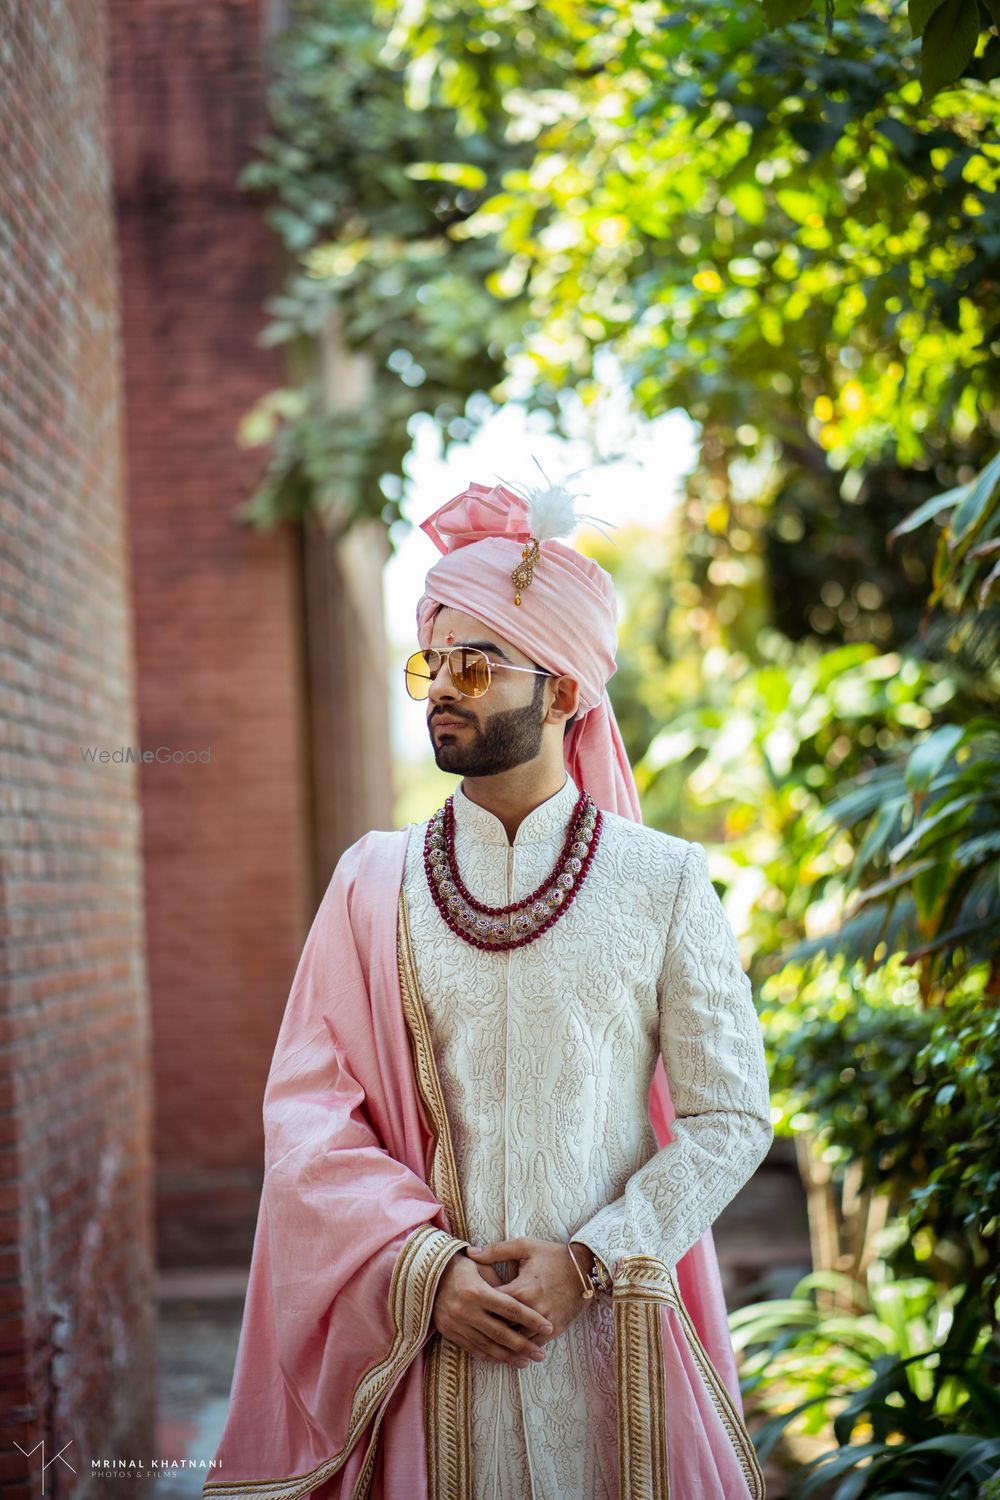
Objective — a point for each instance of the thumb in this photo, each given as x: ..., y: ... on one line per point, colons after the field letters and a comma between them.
x: 501, y: 1250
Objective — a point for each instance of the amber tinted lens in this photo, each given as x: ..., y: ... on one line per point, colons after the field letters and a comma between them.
x: 419, y: 674
x: 470, y: 671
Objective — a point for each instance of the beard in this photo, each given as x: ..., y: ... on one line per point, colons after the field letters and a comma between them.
x: 504, y: 740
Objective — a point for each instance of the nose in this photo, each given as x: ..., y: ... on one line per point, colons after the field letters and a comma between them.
x: 442, y: 690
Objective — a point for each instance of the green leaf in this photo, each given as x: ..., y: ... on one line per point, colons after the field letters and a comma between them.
x: 880, y: 832
x: 971, y: 510
x: 780, y: 12
x: 860, y: 797
x: 989, y: 62
x: 748, y: 201
x: 461, y: 173
x: 894, y: 882
x: 829, y: 1465
x: 927, y: 824
x: 974, y: 851
x: 769, y: 1434
x: 988, y: 584
x: 949, y: 42
x: 982, y: 1452
x: 798, y: 205
x: 906, y: 141
x: 919, y: 13
x: 851, y: 1487
x: 928, y: 1488
x: 954, y: 1444
x: 928, y: 757
x: 930, y: 508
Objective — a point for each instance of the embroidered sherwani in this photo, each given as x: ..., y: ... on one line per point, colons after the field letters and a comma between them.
x: 545, y: 1055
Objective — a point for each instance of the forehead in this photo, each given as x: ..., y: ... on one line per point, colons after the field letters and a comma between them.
x: 467, y: 628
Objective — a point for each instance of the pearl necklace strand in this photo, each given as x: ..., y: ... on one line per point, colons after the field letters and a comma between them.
x: 501, y: 928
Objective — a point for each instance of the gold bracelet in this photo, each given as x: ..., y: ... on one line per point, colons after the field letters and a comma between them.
x: 588, y: 1291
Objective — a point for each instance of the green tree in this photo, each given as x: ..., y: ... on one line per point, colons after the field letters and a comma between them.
x: 783, y: 239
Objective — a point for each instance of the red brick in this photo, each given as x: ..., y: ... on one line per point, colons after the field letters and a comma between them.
x: 73, y: 882
x: 215, y: 605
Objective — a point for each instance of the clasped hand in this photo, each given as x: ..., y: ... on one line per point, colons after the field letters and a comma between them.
x: 508, y: 1325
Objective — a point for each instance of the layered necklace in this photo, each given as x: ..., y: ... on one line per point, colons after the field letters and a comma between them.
x: 501, y: 928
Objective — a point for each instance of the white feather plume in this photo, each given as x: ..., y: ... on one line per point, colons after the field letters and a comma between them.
x: 552, y: 506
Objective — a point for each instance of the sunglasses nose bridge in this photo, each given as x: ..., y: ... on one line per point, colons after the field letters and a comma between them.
x: 473, y: 687
x: 443, y: 677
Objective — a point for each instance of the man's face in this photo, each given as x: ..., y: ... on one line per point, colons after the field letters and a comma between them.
x: 497, y: 731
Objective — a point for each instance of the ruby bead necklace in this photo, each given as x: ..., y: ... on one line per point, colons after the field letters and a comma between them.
x: 501, y: 928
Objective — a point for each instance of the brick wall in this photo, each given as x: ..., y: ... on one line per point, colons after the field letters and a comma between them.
x: 76, y: 1332
x: 217, y: 607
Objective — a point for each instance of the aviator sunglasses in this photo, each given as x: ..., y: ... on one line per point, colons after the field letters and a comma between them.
x: 471, y: 670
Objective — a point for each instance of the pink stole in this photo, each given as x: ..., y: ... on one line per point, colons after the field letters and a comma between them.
x: 341, y: 1387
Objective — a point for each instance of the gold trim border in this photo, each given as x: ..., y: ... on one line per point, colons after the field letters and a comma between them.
x: 643, y: 1285
x: 415, y: 1275
x: 447, y: 1388
x: 642, y: 1432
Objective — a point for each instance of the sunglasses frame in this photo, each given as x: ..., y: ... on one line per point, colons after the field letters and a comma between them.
x: 445, y: 656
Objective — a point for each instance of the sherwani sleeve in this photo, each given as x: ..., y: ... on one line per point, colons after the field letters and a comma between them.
x: 713, y: 1055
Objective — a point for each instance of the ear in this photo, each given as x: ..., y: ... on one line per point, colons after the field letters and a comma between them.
x: 565, y: 699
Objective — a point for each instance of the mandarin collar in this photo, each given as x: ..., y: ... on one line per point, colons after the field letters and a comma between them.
x: 550, y: 817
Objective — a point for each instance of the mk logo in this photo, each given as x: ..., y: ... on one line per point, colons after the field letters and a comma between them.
x: 28, y: 1453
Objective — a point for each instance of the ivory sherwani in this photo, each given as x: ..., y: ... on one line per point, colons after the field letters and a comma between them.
x: 545, y: 1056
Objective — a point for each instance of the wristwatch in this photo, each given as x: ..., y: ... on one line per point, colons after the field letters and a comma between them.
x: 598, y: 1274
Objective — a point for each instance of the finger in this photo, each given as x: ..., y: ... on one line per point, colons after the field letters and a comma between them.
x: 499, y: 1250
x: 507, y: 1343
x: 501, y: 1332
x: 482, y: 1346
x: 526, y: 1297
x: 523, y: 1326
x: 527, y: 1289
x: 515, y: 1311
x: 538, y: 1339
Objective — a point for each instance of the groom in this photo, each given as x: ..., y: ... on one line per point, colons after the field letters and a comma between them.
x: 476, y: 1053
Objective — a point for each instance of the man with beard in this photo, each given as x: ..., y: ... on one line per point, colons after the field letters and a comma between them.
x: 519, y: 1075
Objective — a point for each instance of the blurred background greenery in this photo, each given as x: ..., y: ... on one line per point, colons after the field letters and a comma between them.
x: 782, y: 220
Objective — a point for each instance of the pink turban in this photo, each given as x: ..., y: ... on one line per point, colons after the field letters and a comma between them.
x: 566, y: 621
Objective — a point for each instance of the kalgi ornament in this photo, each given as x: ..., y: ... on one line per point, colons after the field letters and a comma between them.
x: 553, y: 513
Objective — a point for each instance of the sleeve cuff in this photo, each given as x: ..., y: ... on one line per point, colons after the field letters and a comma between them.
x: 600, y: 1252
x: 428, y: 1253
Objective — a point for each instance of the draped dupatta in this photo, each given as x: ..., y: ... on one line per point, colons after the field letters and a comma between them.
x: 341, y: 1388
